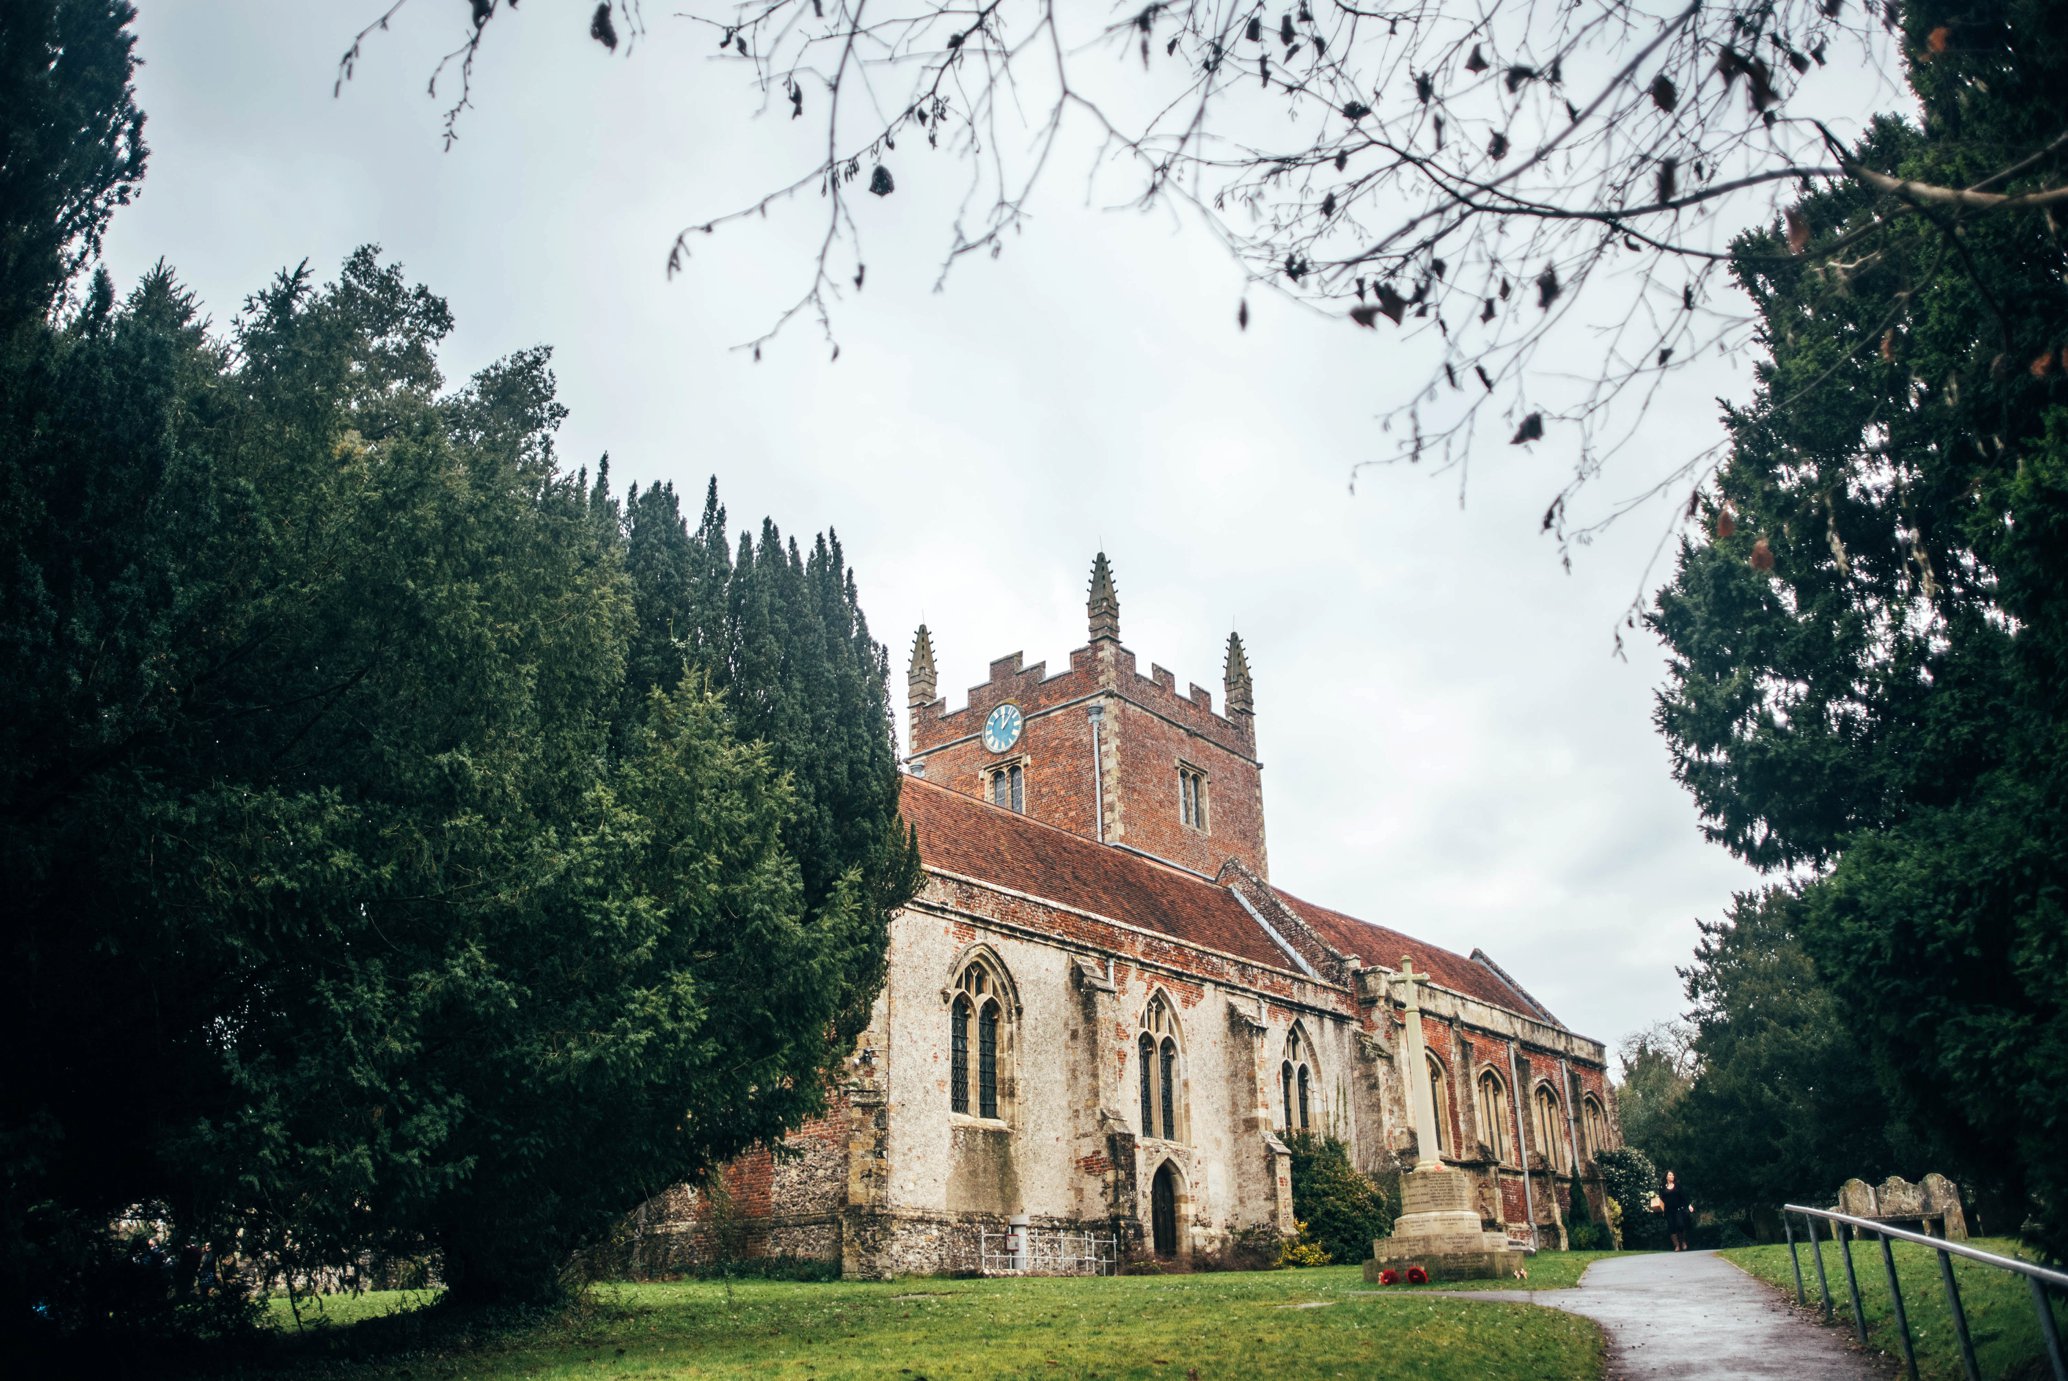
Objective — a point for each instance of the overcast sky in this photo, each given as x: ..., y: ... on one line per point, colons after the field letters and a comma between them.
x: 1450, y: 745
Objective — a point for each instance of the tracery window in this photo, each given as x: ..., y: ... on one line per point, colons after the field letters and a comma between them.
x: 1296, y: 1081
x: 980, y: 1001
x: 1593, y: 1126
x: 1439, y: 1099
x: 987, y: 1060
x: 1493, y: 1114
x: 1548, y: 1118
x: 1162, y: 1057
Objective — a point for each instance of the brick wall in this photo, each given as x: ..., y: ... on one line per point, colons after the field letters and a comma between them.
x: 1146, y: 730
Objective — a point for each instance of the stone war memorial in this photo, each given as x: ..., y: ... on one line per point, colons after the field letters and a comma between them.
x: 1438, y: 1229
x: 1102, y: 1017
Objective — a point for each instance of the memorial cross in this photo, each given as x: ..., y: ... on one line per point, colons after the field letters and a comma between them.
x: 1421, y: 1102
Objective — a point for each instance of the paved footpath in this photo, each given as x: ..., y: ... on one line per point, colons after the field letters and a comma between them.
x: 1676, y: 1314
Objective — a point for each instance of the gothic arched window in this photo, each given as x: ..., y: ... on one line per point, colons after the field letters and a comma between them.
x: 1162, y: 1072
x: 1549, y: 1119
x: 1146, y: 1046
x: 980, y: 1002
x: 1493, y: 1114
x: 958, y: 1055
x: 1296, y: 1081
x: 1593, y: 1126
x: 1439, y: 1099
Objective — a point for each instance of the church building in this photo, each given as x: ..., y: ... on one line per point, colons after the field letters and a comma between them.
x: 1103, y: 1015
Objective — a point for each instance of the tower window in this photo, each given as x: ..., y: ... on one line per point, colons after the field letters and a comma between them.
x: 1008, y: 788
x: 1192, y: 797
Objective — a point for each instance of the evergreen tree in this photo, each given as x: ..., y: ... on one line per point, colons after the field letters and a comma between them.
x: 1342, y: 1209
x: 783, y: 637
x: 1870, y: 650
x: 357, y: 905
x: 1582, y: 1232
x: 71, y: 143
x: 1787, y: 1103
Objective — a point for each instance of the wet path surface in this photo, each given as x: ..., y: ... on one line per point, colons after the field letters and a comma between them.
x: 1675, y: 1314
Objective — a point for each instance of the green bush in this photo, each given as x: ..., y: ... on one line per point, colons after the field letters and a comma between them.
x: 1630, y: 1178
x: 1303, y: 1250
x: 1339, y: 1206
x: 1583, y: 1231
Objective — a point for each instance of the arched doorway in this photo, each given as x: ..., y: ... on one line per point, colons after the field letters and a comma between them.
x: 1163, y: 1211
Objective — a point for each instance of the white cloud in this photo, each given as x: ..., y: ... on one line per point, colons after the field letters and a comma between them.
x: 1450, y: 746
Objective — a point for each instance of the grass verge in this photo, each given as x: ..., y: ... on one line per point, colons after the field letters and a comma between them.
x: 1283, y: 1324
x: 1547, y: 1271
x: 2000, y: 1316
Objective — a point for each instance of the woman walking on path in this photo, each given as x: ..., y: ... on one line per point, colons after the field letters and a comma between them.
x: 1680, y: 1214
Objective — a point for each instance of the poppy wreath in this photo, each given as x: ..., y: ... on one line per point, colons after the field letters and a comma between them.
x: 1389, y: 1277
x: 1417, y: 1276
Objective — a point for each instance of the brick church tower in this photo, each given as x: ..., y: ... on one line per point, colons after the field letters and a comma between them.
x: 1100, y: 749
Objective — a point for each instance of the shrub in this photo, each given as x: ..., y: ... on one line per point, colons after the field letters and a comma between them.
x: 1302, y: 1251
x: 1583, y: 1233
x: 1337, y: 1205
x: 1630, y: 1178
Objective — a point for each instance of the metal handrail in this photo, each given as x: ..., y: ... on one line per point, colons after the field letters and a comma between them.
x: 2038, y: 1277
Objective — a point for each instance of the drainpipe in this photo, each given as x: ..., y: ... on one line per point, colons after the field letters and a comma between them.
x: 1098, y: 773
x: 1529, y: 1203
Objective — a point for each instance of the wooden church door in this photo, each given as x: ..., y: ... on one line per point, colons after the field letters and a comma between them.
x: 1163, y: 1211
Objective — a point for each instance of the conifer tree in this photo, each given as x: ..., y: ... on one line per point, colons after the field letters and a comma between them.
x: 357, y: 904
x: 1870, y: 644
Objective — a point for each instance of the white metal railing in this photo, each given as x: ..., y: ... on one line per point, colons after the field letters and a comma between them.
x: 1035, y: 1251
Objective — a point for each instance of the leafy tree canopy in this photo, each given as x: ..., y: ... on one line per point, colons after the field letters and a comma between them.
x: 1657, y: 1066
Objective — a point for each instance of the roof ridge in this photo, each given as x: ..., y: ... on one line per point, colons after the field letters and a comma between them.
x: 1375, y: 925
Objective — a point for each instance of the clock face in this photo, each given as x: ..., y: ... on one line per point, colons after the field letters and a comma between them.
x: 1002, y: 728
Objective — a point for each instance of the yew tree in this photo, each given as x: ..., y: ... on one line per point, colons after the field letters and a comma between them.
x: 1869, y: 629
x: 356, y: 907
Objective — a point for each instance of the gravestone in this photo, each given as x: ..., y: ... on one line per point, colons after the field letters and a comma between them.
x: 1932, y: 1202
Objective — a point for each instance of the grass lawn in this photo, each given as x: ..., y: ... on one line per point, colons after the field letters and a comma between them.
x: 1547, y: 1271
x: 1313, y: 1323
x: 2000, y: 1316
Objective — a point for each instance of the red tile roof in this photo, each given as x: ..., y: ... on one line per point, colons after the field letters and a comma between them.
x: 965, y: 835
x: 970, y: 837
x: 1383, y: 946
